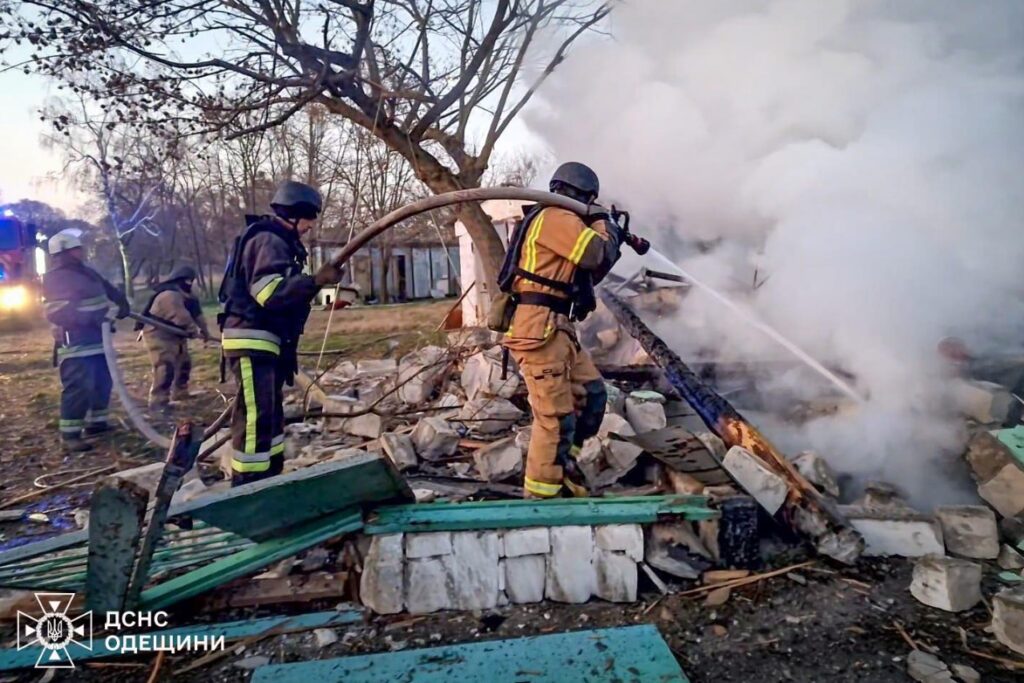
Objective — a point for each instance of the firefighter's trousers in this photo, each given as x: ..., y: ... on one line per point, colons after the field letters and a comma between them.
x: 257, y: 419
x: 172, y: 367
x: 567, y: 398
x: 85, y: 394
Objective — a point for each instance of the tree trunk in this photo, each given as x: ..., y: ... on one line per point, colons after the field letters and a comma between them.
x: 126, y: 270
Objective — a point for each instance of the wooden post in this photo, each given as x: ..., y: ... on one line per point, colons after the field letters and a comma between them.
x: 115, y: 523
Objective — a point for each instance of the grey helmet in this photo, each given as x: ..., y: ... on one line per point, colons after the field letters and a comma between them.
x: 182, y: 273
x: 299, y: 200
x: 578, y: 176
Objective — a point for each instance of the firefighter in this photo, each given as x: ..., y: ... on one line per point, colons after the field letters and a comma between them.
x: 552, y: 269
x: 173, y: 304
x: 266, y: 300
x: 76, y: 304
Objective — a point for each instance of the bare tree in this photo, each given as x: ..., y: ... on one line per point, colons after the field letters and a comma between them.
x: 438, y: 81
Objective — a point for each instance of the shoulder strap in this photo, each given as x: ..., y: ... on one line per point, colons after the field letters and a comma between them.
x: 510, y: 266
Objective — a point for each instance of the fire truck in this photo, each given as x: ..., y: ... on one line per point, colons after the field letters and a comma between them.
x: 20, y: 266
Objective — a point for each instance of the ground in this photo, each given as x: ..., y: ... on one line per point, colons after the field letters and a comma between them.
x: 823, y: 624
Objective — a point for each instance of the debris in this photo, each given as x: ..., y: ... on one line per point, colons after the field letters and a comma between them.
x: 880, y: 496
x: 723, y: 575
x: 738, y: 542
x: 434, y: 438
x: 896, y: 532
x: 428, y: 545
x: 500, y: 460
x: 616, y: 576
x: 382, y: 367
x: 654, y: 578
x: 984, y: 402
x: 420, y: 374
x: 81, y: 518
x: 927, y: 668
x: 382, y: 584
x: 189, y: 490
x: 314, y: 559
x: 489, y: 415
x: 645, y: 411
x: 481, y: 376
x: 367, y: 425
x: 570, y: 571
x: 252, y: 662
x: 278, y: 570
x: 1010, y: 558
x: 626, y: 538
x: 746, y: 581
x: 750, y: 472
x: 1008, y: 618
x: 676, y: 550
x: 399, y: 448
x: 524, y: 578
x: 966, y: 674
x: 11, y: 515
x: 620, y: 455
x: 969, y: 531
x: 608, y: 338
x: 528, y: 541
x: 325, y: 636
x: 816, y: 470
x: 146, y: 476
x: 999, y: 475
x: 1012, y: 529
x: 947, y: 583
x: 684, y: 483
x: 718, y: 597
x: 277, y: 591
x: 38, y: 518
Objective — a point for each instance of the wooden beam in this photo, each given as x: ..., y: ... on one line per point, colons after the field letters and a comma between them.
x: 276, y: 591
x: 629, y: 653
x: 250, y: 560
x: 116, y: 512
x: 508, y: 514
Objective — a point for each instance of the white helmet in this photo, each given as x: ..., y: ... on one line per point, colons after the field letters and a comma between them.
x: 64, y: 240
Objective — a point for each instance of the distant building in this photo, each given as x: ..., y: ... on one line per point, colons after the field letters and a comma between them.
x: 504, y: 214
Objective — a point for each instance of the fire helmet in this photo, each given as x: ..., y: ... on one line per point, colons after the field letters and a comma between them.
x: 64, y: 240
x: 576, y: 175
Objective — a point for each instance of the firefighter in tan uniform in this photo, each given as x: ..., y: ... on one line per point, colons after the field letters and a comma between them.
x: 173, y: 304
x: 553, y: 262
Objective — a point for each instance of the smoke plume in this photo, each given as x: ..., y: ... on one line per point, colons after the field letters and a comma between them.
x: 862, y: 159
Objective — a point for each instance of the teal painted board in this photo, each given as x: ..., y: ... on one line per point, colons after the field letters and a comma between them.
x: 264, y: 508
x: 630, y: 653
x: 231, y: 630
x: 508, y: 514
x: 1014, y: 440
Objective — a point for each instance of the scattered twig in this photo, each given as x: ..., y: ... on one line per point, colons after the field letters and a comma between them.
x: 746, y: 580
x: 38, y: 492
x: 153, y: 675
x: 906, y: 636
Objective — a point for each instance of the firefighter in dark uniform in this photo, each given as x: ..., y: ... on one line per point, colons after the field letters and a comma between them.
x: 77, y: 300
x: 267, y: 299
x: 173, y: 304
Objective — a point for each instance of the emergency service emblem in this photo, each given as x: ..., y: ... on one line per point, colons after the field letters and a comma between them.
x: 54, y: 631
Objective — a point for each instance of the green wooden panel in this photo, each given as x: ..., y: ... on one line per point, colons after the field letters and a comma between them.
x: 1014, y: 440
x: 231, y: 631
x: 507, y: 514
x: 116, y: 511
x: 247, y: 561
x: 266, y: 507
x: 630, y: 653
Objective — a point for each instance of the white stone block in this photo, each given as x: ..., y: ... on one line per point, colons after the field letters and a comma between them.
x: 644, y: 415
x: 615, y: 424
x: 766, y: 487
x: 420, y: 373
x: 570, y: 569
x: 368, y: 426
x: 895, y: 532
x: 399, y: 448
x: 376, y: 367
x: 428, y: 585
x: 474, y: 569
x: 500, y: 460
x: 481, y: 376
x: 621, y: 455
x: 524, y: 578
x: 947, y: 583
x: 382, y: 585
x: 1008, y: 618
x: 434, y: 438
x: 969, y: 531
x: 432, y: 544
x: 627, y: 538
x: 531, y: 541
x: 489, y: 415
x: 816, y: 470
x: 616, y: 576
x: 985, y: 402
x: 1005, y: 491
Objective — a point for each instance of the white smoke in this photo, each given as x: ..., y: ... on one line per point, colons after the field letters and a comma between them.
x: 864, y: 156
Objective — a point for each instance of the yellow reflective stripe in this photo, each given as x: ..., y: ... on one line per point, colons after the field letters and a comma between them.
x: 581, y: 244
x: 229, y: 344
x: 531, y: 243
x: 267, y: 290
x: 277, y: 449
x: 239, y: 466
x: 541, y: 488
x: 249, y: 395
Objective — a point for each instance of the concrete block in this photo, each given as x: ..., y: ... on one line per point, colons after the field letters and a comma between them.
x: 621, y: 456
x: 434, y: 438
x: 1005, y: 491
x: 376, y: 367
x: 570, y: 569
x: 532, y: 541
x: 428, y: 585
x: 1010, y: 558
x: 474, y: 569
x: 489, y: 415
x: 432, y: 544
x: 481, y: 376
x: 382, y: 585
x: 927, y: 668
x: 645, y: 415
x: 969, y: 531
x: 985, y: 402
x: 616, y: 401
x: 1008, y: 618
x: 368, y: 426
x: 896, y: 532
x: 524, y: 578
x: 500, y: 460
x: 616, y: 576
x: 766, y: 487
x: 615, y: 424
x: 400, y: 449
x: 420, y: 374
x: 947, y: 583
x: 626, y: 538
x: 816, y: 470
